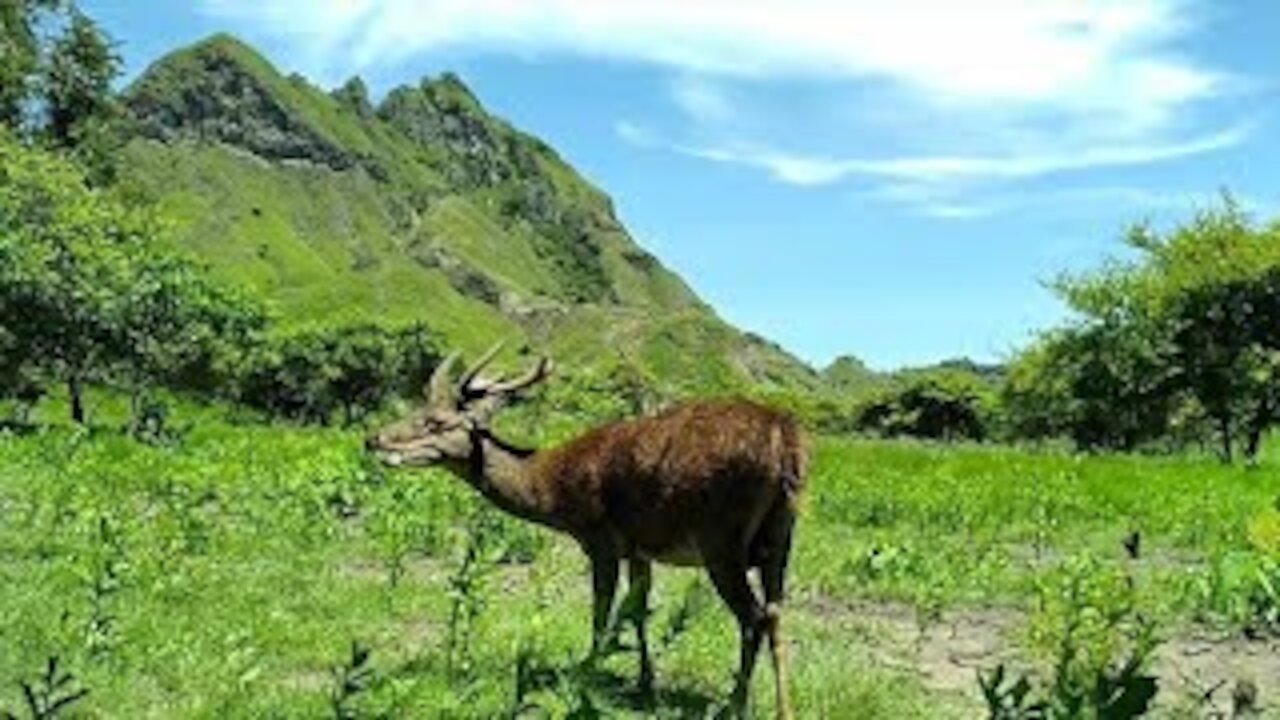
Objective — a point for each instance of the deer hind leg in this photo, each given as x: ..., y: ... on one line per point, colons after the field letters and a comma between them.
x: 604, y: 585
x: 773, y: 548
x: 729, y: 575
x: 639, y: 582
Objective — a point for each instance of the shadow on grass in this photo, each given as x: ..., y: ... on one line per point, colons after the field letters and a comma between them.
x: 575, y: 690
x: 20, y: 428
x: 596, y: 692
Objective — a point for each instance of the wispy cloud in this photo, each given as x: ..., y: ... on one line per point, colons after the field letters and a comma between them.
x: 702, y: 101
x: 1069, y: 200
x: 968, y: 95
x: 800, y: 169
x: 1069, y: 51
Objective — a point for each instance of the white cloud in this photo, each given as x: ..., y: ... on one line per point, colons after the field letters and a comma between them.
x: 1073, y: 52
x: 962, y: 96
x: 702, y: 101
x: 800, y: 169
x: 636, y: 135
x: 1158, y: 203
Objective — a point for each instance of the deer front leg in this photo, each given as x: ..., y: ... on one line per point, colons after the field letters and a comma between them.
x: 604, y: 584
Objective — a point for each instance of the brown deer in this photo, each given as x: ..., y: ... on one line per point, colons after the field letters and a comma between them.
x: 714, y: 484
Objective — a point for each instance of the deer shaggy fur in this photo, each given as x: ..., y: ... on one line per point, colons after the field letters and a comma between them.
x: 700, y: 474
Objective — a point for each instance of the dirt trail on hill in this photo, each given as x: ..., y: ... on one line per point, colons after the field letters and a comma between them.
x: 1196, y: 671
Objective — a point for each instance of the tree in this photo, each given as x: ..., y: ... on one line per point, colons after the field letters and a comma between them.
x: 20, y: 55
x: 308, y: 376
x: 55, y: 87
x: 1187, y: 328
x: 79, y: 107
x: 1103, y: 385
x: 184, y: 330
x: 1214, y: 286
x: 16, y: 381
x: 87, y: 291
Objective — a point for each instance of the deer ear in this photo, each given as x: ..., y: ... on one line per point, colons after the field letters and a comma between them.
x: 479, y: 413
x: 439, y: 388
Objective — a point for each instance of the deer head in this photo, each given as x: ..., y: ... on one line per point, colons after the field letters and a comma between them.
x: 445, y: 429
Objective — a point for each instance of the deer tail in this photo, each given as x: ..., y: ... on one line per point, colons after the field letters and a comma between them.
x: 795, y: 464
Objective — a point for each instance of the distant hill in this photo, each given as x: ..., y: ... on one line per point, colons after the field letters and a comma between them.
x: 423, y: 207
x: 847, y: 377
x: 848, y: 371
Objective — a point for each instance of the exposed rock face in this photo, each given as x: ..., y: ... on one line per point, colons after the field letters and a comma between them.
x: 444, y: 115
x: 210, y: 93
x: 474, y: 150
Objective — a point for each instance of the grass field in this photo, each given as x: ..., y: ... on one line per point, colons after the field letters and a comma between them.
x: 228, y: 575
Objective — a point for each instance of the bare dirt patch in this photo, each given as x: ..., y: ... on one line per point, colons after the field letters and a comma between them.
x: 1197, y: 671
x: 944, y: 653
x: 1206, y: 670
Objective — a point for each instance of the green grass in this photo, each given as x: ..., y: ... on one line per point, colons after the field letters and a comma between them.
x: 930, y: 523
x: 228, y: 575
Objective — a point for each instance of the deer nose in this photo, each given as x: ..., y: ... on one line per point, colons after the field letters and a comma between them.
x: 371, y: 442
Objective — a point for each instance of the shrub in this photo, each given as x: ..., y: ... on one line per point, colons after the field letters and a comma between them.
x: 311, y: 375
x: 1101, y: 648
x: 940, y: 405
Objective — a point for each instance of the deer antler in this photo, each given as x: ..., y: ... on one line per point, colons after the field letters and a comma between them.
x: 467, y: 386
x: 438, y: 387
x: 533, y: 376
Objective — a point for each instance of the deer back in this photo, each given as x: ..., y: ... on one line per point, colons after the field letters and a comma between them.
x: 654, y: 481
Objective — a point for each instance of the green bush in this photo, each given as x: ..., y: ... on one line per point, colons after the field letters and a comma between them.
x: 940, y: 405
x: 312, y: 375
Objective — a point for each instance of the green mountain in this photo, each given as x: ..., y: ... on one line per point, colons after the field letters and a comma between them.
x: 424, y: 207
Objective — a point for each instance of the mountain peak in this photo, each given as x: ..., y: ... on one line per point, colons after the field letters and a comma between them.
x: 220, y: 89
x: 226, y: 43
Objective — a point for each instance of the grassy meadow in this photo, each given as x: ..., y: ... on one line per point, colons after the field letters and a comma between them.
x: 222, y: 230
x: 249, y: 570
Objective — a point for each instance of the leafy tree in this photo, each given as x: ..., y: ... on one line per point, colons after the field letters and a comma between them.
x: 184, y: 330
x: 87, y: 292
x: 20, y: 55
x: 365, y: 363
x: 1185, y: 329
x: 354, y: 94
x: 1037, y: 397
x: 1104, y: 385
x: 65, y: 254
x: 1230, y: 356
x: 17, y: 383
x: 56, y: 70
x: 80, y: 108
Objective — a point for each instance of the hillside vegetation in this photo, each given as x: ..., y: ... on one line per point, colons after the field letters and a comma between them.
x: 425, y: 208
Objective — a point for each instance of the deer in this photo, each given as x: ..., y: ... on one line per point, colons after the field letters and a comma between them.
x: 711, y: 483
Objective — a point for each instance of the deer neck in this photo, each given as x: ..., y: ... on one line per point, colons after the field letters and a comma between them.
x: 504, y: 474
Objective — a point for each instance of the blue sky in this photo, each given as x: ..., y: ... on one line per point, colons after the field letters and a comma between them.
x: 887, y: 178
